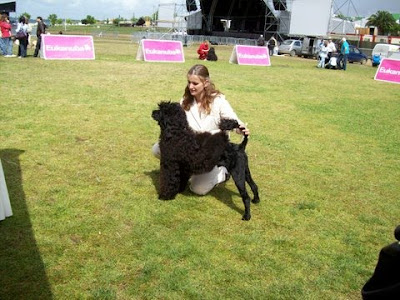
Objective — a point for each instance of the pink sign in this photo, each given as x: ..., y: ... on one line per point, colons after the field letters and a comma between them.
x: 250, y: 55
x: 67, y: 47
x: 388, y: 70
x: 160, y: 51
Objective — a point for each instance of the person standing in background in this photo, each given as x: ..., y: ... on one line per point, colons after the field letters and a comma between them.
x: 323, y: 53
x: 261, y: 41
x: 5, y: 41
x: 272, y: 43
x: 23, y: 41
x: 344, y: 50
x: 39, y: 31
x: 331, y: 48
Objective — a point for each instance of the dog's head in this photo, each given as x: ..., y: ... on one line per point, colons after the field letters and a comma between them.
x: 170, y: 114
x: 228, y: 124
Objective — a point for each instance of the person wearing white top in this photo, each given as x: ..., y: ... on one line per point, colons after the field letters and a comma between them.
x: 204, y: 107
x: 23, y: 42
x: 323, y: 53
x: 331, y: 48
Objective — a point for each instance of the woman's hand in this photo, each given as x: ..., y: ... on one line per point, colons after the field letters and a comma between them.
x: 243, y: 130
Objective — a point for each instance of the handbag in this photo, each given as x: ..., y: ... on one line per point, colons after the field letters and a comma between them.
x: 20, y: 35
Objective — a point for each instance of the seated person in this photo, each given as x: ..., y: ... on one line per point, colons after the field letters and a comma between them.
x: 376, y: 60
x: 332, y: 63
x: 203, y: 50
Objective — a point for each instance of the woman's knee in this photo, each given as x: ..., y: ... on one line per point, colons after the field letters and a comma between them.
x: 204, y: 183
x: 156, y: 150
x: 200, y: 188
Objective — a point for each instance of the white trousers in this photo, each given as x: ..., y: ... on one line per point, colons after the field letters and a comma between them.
x: 203, y: 183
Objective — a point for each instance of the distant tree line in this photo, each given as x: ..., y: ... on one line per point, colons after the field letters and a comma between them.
x: 382, y: 19
x: 385, y: 22
x: 89, y: 20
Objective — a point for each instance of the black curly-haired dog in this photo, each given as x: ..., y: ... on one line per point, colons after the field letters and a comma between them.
x: 185, y: 152
x: 211, y: 55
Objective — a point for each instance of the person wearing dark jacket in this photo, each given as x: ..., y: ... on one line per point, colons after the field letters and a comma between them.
x: 272, y: 43
x: 39, y: 31
x: 261, y: 41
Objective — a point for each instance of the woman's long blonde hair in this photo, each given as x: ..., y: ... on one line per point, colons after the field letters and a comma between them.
x: 209, y: 91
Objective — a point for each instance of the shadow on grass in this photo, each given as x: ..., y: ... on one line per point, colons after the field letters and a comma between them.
x: 155, y: 177
x: 225, y: 195
x: 22, y: 271
x: 220, y: 192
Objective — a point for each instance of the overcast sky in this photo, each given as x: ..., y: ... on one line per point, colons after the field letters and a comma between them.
x: 103, y: 9
x: 365, y: 8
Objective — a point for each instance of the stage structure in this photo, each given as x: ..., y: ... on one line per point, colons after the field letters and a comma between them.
x: 7, y: 7
x: 277, y: 17
x: 235, y: 16
x: 172, y: 15
x: 268, y: 17
x: 194, y: 17
x: 340, y: 26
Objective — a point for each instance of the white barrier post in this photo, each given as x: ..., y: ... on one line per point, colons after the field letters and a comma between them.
x: 5, y: 206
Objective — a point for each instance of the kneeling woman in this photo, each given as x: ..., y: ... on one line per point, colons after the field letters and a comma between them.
x: 205, y: 106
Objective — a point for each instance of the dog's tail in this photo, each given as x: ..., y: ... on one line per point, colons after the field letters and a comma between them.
x: 243, y: 144
x: 230, y: 124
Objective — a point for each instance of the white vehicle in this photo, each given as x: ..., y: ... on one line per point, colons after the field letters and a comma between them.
x: 384, y: 50
x: 310, y: 46
x: 292, y: 47
x: 394, y: 55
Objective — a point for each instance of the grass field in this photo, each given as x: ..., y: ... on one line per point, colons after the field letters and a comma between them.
x: 105, y: 29
x: 75, y: 140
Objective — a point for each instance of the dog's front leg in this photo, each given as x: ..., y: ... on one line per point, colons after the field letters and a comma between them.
x: 169, y: 180
x: 184, y: 178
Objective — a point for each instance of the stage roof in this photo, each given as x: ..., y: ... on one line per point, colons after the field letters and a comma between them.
x: 7, y: 7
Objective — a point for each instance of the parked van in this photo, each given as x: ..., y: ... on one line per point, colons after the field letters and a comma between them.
x: 310, y: 46
x: 384, y: 50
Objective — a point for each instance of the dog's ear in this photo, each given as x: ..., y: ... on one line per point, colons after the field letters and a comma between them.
x: 156, y: 115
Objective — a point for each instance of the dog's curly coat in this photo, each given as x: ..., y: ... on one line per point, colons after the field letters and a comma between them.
x: 185, y: 152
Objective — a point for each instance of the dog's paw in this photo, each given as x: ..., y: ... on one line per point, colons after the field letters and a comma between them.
x: 246, y: 217
x: 256, y: 200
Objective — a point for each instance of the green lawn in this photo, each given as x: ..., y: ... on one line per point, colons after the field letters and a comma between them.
x: 120, y: 31
x: 75, y: 140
